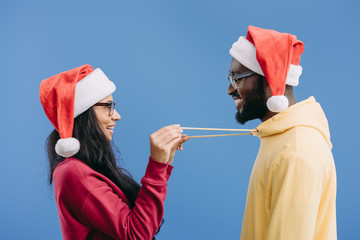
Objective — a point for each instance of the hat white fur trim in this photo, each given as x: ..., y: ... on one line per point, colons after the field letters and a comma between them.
x: 67, y: 147
x: 277, y: 103
x: 293, y: 76
x: 245, y: 53
x: 91, y: 89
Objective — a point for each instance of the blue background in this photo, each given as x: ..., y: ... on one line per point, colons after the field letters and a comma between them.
x: 169, y: 60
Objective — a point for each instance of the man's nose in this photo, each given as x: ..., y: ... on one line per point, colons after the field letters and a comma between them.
x: 231, y: 89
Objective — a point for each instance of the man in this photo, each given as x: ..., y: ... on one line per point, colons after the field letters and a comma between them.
x: 292, y: 188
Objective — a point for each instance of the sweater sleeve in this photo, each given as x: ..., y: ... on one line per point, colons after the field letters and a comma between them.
x: 295, y: 198
x: 107, y: 212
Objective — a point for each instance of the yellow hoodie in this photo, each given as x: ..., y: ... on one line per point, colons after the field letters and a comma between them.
x: 292, y: 188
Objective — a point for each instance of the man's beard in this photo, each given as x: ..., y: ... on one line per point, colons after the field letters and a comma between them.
x: 255, y: 105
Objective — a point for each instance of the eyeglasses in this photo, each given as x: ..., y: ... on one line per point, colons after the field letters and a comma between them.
x: 108, y: 105
x: 235, y: 79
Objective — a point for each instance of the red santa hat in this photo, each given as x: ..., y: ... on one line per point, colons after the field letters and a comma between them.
x: 273, y: 55
x: 68, y: 94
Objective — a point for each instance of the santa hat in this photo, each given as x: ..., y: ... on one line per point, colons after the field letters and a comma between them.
x: 68, y: 94
x: 273, y: 55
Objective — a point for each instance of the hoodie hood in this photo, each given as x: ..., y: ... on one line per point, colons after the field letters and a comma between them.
x: 307, y: 113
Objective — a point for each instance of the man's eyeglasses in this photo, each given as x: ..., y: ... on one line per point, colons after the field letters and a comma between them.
x: 235, y: 79
x: 108, y: 105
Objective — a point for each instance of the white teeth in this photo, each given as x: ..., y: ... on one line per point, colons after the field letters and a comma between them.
x: 110, y: 128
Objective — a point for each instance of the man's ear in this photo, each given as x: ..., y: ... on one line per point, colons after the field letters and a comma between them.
x: 266, y: 88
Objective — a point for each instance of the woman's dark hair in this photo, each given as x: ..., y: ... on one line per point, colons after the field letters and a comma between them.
x: 97, y: 152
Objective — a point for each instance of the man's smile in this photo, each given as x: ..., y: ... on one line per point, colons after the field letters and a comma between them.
x: 238, y: 100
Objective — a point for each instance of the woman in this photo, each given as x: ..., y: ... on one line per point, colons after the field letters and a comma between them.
x: 95, y: 198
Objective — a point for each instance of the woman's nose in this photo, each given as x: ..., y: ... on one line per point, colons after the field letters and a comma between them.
x: 116, y: 116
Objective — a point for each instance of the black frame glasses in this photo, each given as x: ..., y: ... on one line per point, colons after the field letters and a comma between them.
x: 235, y: 79
x: 110, y: 105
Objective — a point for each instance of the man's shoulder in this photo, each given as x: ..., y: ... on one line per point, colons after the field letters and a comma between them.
x: 306, y: 145
x: 309, y: 137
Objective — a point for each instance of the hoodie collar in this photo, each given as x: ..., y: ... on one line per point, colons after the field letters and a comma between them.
x: 307, y: 113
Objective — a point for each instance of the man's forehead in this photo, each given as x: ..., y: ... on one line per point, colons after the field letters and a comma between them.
x: 237, y: 67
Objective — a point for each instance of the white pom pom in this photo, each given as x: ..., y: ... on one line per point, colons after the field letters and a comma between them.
x: 67, y: 147
x: 277, y: 103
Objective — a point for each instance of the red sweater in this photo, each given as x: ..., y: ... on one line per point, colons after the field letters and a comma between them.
x: 91, y: 206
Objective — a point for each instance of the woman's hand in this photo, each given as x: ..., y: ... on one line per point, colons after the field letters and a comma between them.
x: 164, y: 143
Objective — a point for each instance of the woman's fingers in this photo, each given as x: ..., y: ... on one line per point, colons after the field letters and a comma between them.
x: 166, y: 129
x: 184, y: 139
x: 177, y: 145
x: 167, y: 134
x: 163, y: 141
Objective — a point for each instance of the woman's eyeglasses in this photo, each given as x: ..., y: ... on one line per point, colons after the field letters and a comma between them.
x: 108, y: 105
